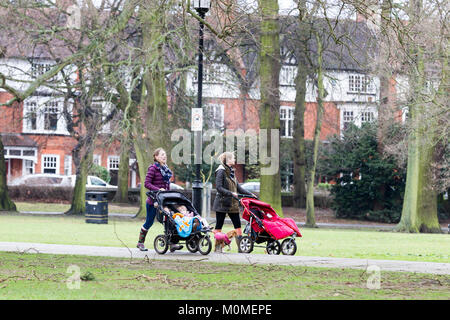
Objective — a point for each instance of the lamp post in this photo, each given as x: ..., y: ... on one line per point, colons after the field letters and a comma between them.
x: 202, y: 7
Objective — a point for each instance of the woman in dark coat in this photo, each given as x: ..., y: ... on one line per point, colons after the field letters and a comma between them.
x: 158, y: 178
x: 226, y: 201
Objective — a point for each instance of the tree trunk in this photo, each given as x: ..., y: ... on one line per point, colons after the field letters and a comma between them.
x: 270, y: 97
x: 310, y: 213
x: 5, y: 202
x: 299, y: 196
x: 82, y: 164
x: 299, y: 139
x: 419, y: 213
x: 152, y: 129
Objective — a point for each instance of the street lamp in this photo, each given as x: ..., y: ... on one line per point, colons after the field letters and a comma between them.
x: 202, y: 7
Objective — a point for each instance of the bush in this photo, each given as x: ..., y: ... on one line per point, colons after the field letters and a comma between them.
x: 50, y: 194
x: 100, y: 172
x: 377, y: 196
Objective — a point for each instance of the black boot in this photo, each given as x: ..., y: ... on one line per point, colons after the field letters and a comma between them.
x: 174, y: 247
x: 238, y: 241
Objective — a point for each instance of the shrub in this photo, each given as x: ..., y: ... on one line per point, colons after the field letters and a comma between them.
x: 50, y: 194
x: 377, y: 195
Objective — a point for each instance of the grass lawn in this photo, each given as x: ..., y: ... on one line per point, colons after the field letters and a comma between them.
x: 62, y: 207
x: 43, y: 276
x: 361, y: 244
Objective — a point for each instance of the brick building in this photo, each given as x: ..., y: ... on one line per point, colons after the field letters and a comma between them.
x: 36, y: 139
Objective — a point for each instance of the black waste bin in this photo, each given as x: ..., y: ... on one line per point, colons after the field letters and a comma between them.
x: 97, y: 207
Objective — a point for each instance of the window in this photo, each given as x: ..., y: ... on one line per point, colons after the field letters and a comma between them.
x: 113, y: 168
x: 67, y: 165
x: 347, y: 118
x: 367, y: 116
x: 212, y: 73
x: 214, y: 114
x: 39, y: 68
x: 28, y: 167
x: 287, y: 75
x: 103, y: 109
x: 360, y: 84
x: 97, y: 182
x: 287, y: 175
x: 97, y: 159
x: 50, y: 164
x: 113, y: 162
x: 287, y: 121
x: 44, y: 115
x: 51, y: 116
x: 405, y: 114
x: 31, y: 115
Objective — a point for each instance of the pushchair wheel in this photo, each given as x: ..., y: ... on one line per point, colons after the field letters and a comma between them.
x: 192, y: 245
x: 246, y: 244
x: 161, y: 244
x: 204, y: 245
x: 289, y: 247
x: 273, y: 247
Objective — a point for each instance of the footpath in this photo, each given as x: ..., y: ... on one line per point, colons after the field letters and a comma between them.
x: 238, y: 258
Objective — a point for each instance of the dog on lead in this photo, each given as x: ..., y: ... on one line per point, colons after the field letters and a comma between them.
x: 223, y: 239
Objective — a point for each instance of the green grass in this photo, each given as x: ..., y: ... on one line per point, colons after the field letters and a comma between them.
x: 61, y: 207
x: 43, y: 276
x: 315, y: 242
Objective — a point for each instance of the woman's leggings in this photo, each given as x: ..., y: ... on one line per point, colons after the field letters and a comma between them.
x: 151, y: 214
x: 220, y: 218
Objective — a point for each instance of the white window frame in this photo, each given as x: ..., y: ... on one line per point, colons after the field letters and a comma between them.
x: 213, y: 73
x: 97, y: 159
x: 361, y: 83
x: 367, y: 116
x: 106, y: 108
x: 287, y: 75
x: 67, y: 165
x: 359, y: 114
x: 287, y: 115
x: 25, y: 167
x: 40, y: 67
x: 218, y: 116
x: 56, y: 161
x: 40, y: 106
x: 111, y: 162
x: 21, y: 153
x: 405, y: 114
x: 346, y: 118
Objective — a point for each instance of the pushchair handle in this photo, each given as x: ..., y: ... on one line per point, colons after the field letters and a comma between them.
x: 247, y: 196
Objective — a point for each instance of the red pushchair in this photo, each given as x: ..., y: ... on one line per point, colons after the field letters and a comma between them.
x: 265, y: 226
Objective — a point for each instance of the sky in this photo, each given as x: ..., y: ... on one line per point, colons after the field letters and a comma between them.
x: 289, y: 7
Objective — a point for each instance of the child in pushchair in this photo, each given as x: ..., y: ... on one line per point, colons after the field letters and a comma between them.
x: 264, y: 225
x: 181, y: 223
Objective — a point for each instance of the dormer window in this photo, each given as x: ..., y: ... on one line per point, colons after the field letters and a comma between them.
x: 287, y: 75
x: 39, y: 68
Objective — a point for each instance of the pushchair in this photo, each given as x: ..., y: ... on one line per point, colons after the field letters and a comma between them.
x: 196, y: 240
x: 265, y: 226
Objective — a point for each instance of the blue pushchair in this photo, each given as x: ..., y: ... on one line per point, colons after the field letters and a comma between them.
x: 196, y: 239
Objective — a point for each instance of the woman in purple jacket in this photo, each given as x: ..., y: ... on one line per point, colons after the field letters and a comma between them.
x: 158, y: 178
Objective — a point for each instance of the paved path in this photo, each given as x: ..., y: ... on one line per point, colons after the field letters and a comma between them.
x: 228, y: 221
x: 384, y: 265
